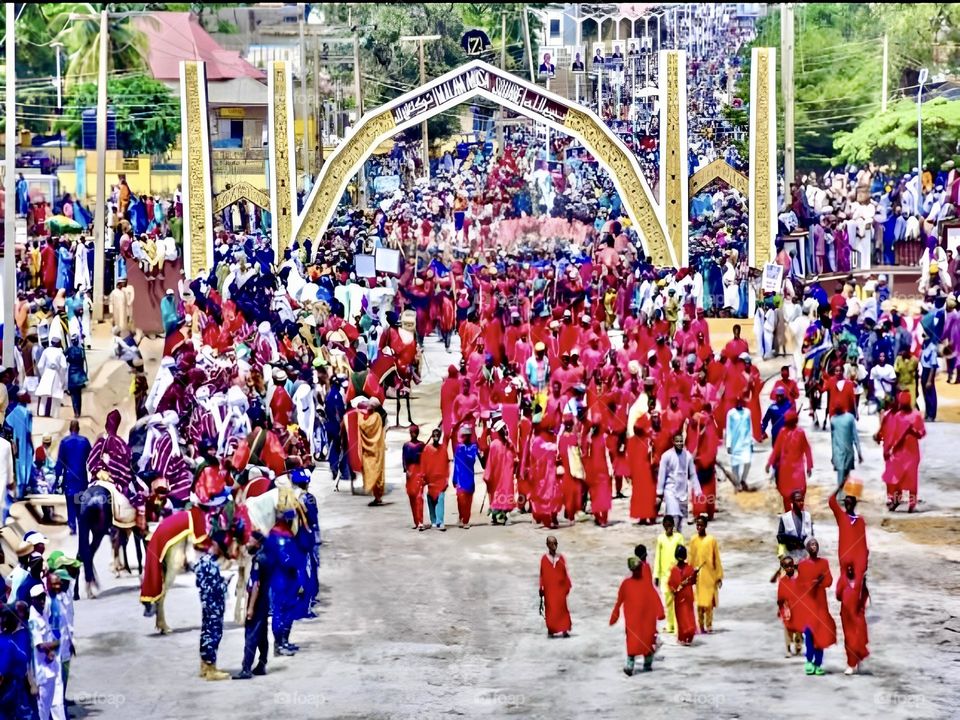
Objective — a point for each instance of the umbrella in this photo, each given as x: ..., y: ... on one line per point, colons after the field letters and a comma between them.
x: 61, y: 224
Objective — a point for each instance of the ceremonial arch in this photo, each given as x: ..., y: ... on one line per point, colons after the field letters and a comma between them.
x: 480, y: 79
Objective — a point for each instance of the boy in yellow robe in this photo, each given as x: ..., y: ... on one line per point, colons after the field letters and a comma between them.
x: 663, y: 561
x: 705, y: 557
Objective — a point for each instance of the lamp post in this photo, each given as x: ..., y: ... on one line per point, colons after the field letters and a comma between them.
x: 10, y: 198
x: 56, y: 45
x: 923, y: 79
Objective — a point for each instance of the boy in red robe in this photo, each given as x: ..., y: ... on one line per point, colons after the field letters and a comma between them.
x: 642, y: 608
x: 819, y: 628
x: 411, y: 455
x: 555, y: 585
x: 852, y: 594
x: 435, y: 465
x: 788, y: 606
x: 682, y: 579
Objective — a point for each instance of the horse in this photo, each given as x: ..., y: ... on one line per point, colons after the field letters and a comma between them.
x: 167, y: 551
x: 97, y: 521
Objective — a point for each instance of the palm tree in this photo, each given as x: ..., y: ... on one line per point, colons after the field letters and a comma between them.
x: 127, y: 45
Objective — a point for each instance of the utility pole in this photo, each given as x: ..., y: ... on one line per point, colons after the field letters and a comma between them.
x: 424, y: 139
x: 358, y: 98
x: 501, y: 115
x: 305, y: 154
x: 787, y: 88
x: 886, y: 59
x: 529, y: 47
x: 10, y: 196
x: 318, y: 103
x: 100, y: 211
x: 425, y: 149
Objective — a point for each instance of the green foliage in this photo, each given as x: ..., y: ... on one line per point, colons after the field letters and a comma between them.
x: 891, y: 138
x: 391, y: 67
x: 127, y: 46
x: 148, y: 114
x: 838, y: 64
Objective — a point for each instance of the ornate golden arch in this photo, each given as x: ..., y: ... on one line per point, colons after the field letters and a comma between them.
x: 722, y: 170
x: 478, y: 78
x: 241, y: 191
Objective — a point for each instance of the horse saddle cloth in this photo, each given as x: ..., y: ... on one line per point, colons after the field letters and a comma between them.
x: 124, y: 514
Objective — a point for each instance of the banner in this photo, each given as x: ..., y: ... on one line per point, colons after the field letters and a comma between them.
x: 386, y: 184
x: 471, y: 79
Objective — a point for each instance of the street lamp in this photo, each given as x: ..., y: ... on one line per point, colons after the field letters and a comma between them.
x: 923, y: 79
x: 56, y: 45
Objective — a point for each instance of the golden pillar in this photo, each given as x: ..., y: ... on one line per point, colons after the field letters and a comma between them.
x: 763, y: 156
x: 283, y: 159
x: 196, y: 173
x: 674, y: 164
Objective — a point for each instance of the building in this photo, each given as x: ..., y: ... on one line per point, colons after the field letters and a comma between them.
x: 237, y: 96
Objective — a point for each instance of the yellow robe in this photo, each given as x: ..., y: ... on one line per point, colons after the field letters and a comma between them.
x: 373, y: 449
x: 704, y: 553
x: 665, y: 556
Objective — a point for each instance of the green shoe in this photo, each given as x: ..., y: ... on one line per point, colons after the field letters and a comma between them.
x: 819, y: 671
x: 628, y: 667
x: 809, y: 668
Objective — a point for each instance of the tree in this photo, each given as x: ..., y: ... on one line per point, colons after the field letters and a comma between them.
x: 891, y: 138
x: 127, y: 46
x: 147, y: 113
x: 838, y: 56
x: 487, y: 17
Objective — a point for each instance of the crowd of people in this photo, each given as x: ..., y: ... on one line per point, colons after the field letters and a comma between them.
x: 583, y: 372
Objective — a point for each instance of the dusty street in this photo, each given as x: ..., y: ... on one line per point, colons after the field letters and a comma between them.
x: 435, y: 624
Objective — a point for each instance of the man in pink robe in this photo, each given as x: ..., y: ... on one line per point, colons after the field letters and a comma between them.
x: 499, y: 474
x: 546, y: 499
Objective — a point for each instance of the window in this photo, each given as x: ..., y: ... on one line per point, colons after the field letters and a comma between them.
x: 554, y: 28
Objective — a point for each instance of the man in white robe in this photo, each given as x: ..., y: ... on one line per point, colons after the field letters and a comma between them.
x: 676, y: 478
x: 52, y: 368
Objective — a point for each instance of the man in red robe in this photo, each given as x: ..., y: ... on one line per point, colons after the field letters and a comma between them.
x: 643, y: 494
x: 555, y: 585
x: 449, y: 391
x: 703, y: 442
x: 499, y: 473
x: 571, y: 468
x: 852, y: 594
x: 642, y: 608
x: 789, y: 385
x: 900, y: 432
x: 792, y: 459
x: 852, y: 543
x: 842, y: 397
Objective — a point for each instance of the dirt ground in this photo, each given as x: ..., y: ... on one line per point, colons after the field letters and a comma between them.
x: 432, y: 624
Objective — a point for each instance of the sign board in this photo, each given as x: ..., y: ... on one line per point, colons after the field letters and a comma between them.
x: 233, y: 113
x: 385, y: 184
x: 474, y: 78
x: 364, y: 266
x: 772, y: 278
x: 388, y: 261
x: 475, y: 42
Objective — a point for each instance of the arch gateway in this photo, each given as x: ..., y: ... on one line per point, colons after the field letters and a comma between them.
x: 480, y: 79
x: 662, y: 227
